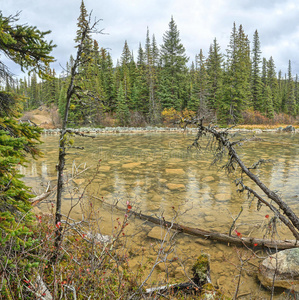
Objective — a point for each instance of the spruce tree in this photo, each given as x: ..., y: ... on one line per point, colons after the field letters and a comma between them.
x: 126, y: 55
x: 106, y: 77
x: 87, y: 106
x: 155, y: 52
x: 215, y: 76
x: 267, y: 102
x: 34, y: 93
x: 193, y: 101
x: 290, y: 104
x: 172, y: 88
x: 256, y: 83
x: 151, y: 54
x: 200, y: 85
x: 273, y: 84
x: 122, y: 110
x: 26, y: 46
x: 237, y: 78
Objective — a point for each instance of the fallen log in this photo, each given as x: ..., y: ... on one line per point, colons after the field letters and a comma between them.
x: 221, y: 237
x: 212, y: 235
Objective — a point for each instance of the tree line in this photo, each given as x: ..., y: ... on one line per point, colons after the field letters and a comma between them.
x: 159, y: 82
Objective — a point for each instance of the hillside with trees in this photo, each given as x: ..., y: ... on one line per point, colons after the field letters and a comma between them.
x: 231, y: 86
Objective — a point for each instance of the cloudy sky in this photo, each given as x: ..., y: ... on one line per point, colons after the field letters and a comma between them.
x: 199, y: 22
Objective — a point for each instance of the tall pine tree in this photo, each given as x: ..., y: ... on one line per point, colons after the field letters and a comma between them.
x: 172, y: 88
x: 256, y: 83
x: 237, y: 79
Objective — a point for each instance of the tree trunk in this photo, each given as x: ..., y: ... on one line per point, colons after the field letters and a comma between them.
x: 221, y: 237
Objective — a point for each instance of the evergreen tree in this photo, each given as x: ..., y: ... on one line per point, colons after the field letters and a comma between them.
x: 26, y: 46
x: 140, y: 87
x: 81, y: 25
x: 256, y: 83
x: 122, y: 110
x: 282, y: 88
x: 155, y: 52
x: 237, y: 79
x: 267, y: 102
x: 273, y: 84
x: 126, y: 55
x: 193, y: 101
x: 198, y: 101
x: 87, y: 106
x: 215, y: 76
x: 172, y: 88
x: 34, y: 99
x: 62, y: 100
x: 151, y: 54
x: 290, y: 104
x: 106, y: 77
x: 141, y: 57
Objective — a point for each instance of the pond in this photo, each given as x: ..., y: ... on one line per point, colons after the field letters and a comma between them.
x: 159, y: 175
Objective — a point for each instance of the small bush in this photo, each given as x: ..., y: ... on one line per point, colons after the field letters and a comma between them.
x: 252, y: 117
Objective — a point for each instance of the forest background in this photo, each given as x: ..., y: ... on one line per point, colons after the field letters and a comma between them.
x: 235, y: 87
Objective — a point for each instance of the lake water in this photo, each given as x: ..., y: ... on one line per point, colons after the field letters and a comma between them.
x: 157, y: 174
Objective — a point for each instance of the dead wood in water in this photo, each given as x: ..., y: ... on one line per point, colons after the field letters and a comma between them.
x: 222, y: 147
x: 212, y: 235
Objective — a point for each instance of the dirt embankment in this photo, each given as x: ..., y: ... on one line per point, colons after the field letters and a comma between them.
x: 44, y: 117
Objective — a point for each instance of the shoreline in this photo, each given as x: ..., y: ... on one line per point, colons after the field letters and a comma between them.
x: 91, y: 130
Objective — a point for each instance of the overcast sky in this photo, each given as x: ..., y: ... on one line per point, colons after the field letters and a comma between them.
x: 199, y: 22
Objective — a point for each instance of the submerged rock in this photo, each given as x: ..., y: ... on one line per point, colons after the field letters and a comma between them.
x: 222, y: 197
x: 285, y: 266
x: 175, y: 171
x: 131, y: 165
x: 104, y: 168
x: 175, y: 186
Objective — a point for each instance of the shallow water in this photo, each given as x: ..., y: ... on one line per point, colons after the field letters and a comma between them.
x: 157, y: 174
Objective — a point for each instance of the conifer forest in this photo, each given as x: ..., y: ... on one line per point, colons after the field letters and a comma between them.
x: 230, y: 86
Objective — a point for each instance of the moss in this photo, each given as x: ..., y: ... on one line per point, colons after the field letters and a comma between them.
x: 201, y: 269
x: 210, y: 292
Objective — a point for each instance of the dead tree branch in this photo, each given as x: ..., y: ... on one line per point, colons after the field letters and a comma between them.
x: 221, y: 146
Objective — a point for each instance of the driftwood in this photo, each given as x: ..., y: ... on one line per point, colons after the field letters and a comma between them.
x: 212, y: 235
x: 34, y: 201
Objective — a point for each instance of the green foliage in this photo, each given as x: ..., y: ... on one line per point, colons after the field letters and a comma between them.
x: 122, y: 112
x: 215, y: 76
x: 172, y: 90
x: 256, y: 82
x: 15, y: 218
x: 25, y: 45
x: 237, y: 78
